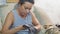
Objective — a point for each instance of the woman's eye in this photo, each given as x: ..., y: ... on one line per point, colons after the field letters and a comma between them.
x: 26, y: 8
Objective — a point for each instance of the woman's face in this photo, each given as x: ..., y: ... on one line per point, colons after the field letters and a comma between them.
x: 26, y: 7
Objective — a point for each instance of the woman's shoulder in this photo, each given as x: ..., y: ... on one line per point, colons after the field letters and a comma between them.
x: 10, y: 15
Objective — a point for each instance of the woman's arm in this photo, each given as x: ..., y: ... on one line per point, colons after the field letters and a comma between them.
x: 8, y: 21
x: 35, y: 22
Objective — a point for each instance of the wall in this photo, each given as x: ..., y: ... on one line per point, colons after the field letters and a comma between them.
x: 51, y: 8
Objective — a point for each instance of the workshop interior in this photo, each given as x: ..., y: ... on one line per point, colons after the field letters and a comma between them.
x: 46, y: 11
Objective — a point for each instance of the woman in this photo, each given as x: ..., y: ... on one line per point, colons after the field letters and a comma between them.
x: 18, y: 17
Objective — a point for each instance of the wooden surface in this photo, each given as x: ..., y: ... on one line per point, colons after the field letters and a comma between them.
x: 12, y: 1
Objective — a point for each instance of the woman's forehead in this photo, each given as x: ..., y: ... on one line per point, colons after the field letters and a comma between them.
x: 27, y: 4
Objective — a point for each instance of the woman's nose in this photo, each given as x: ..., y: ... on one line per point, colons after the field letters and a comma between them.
x: 27, y: 10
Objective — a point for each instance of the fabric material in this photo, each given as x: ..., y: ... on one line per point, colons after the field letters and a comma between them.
x: 18, y: 20
x: 52, y: 30
x: 31, y: 28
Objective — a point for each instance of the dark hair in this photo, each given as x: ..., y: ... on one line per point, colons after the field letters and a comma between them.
x: 23, y: 1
